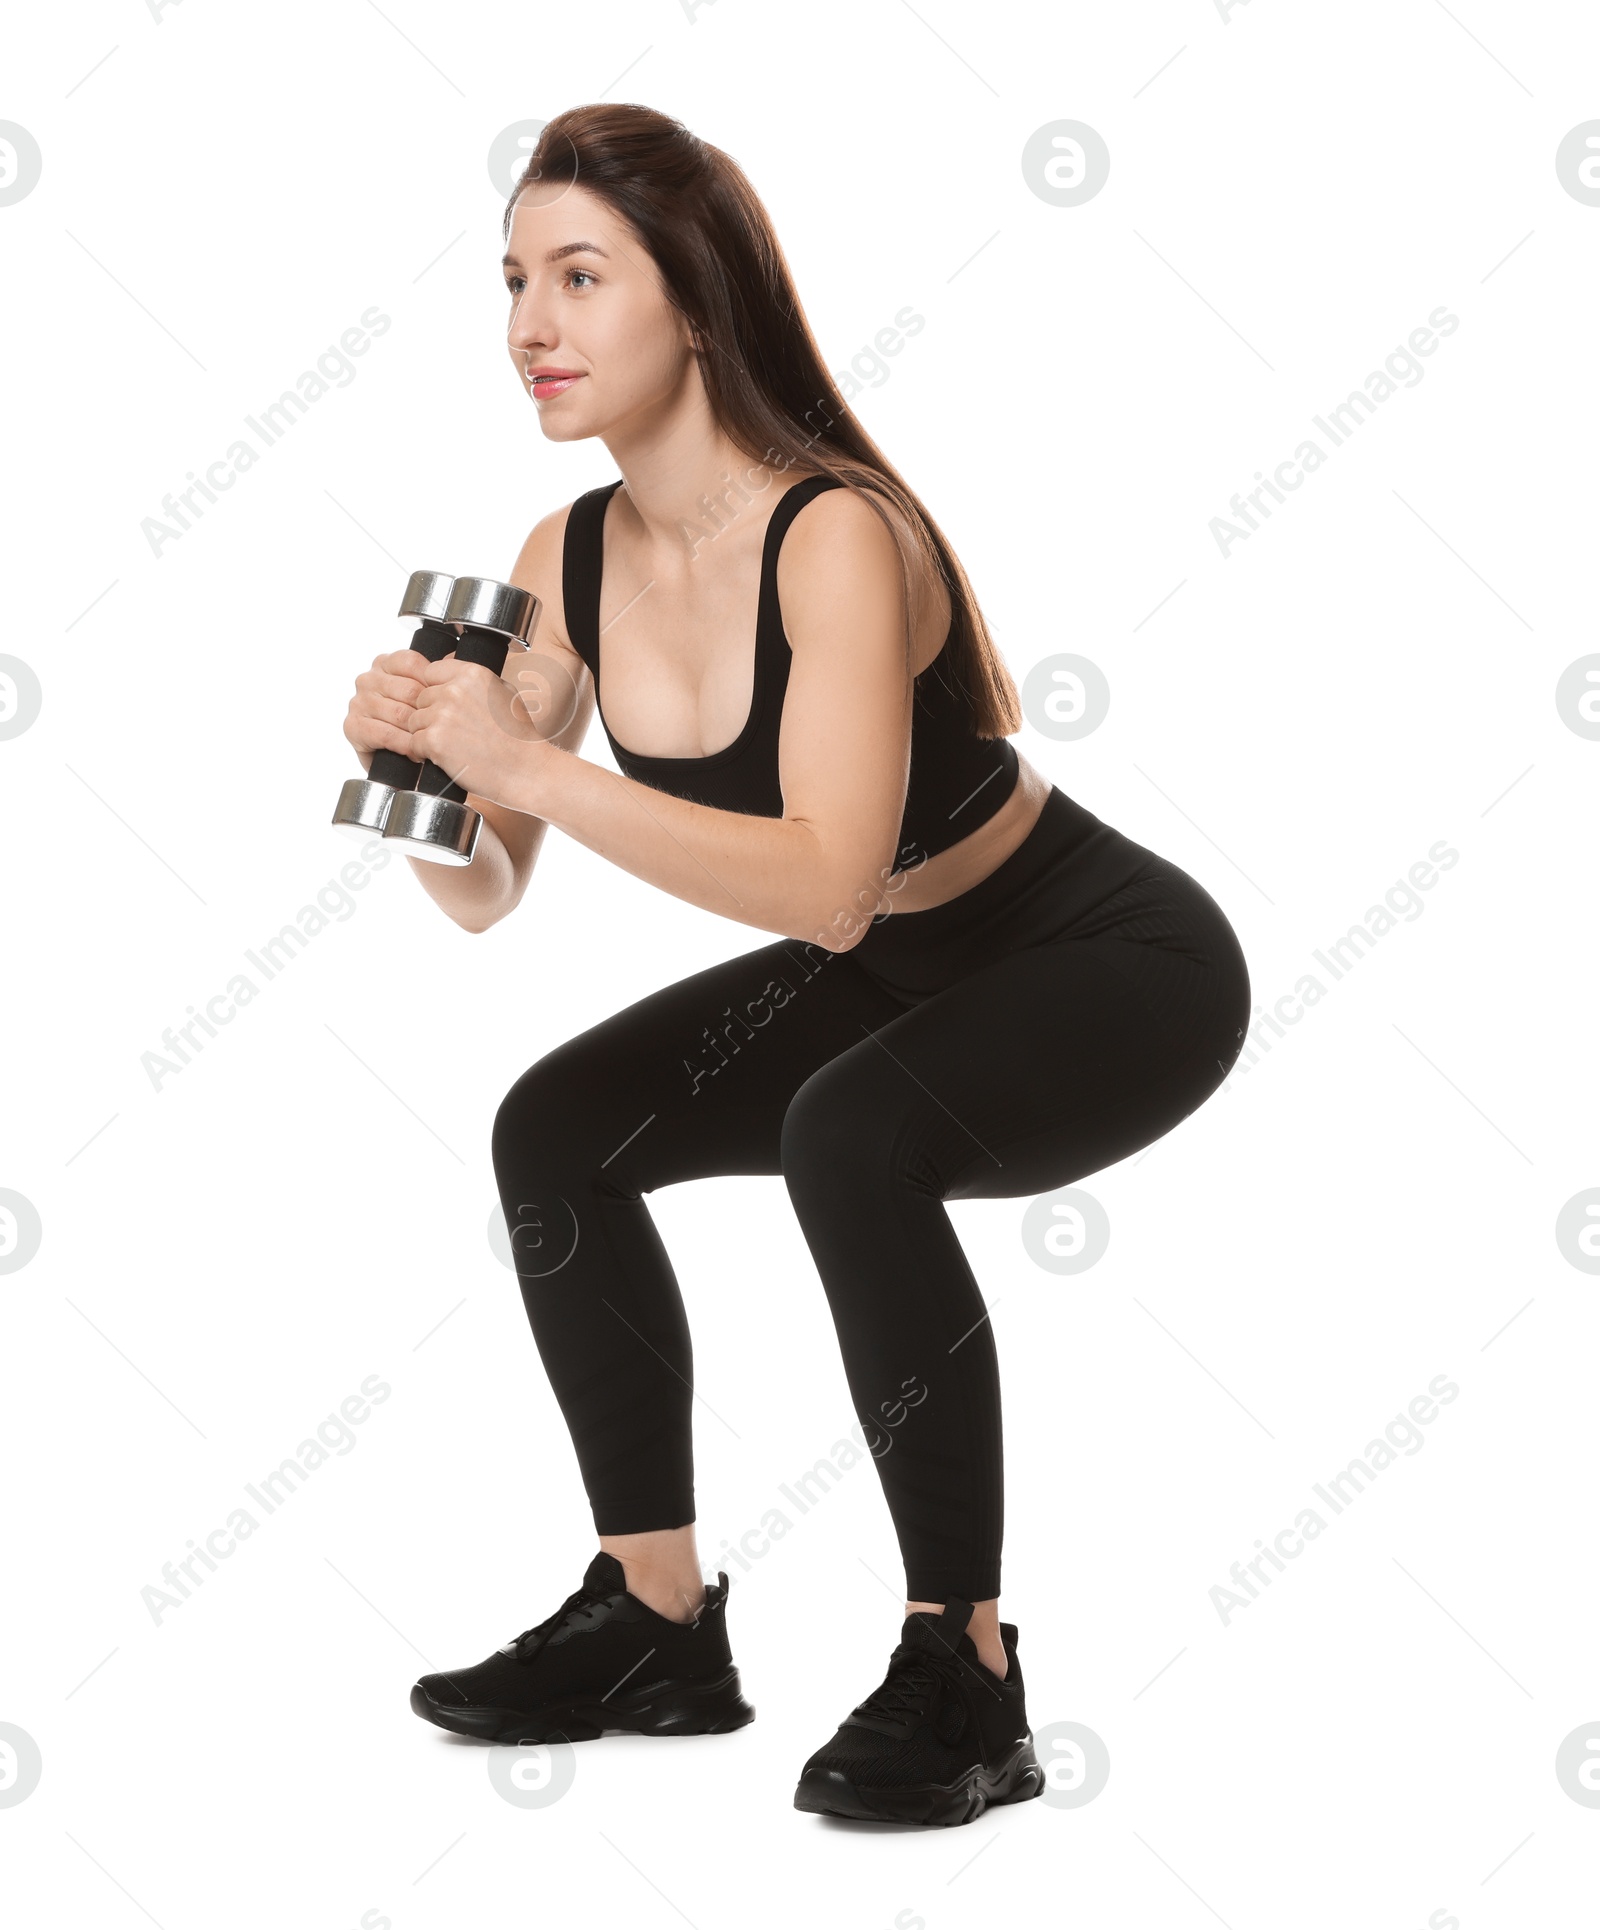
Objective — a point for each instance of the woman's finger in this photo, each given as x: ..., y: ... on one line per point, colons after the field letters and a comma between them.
x: 394, y: 711
x: 368, y: 734
x: 384, y: 684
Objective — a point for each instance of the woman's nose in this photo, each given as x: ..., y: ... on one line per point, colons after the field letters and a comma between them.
x: 527, y: 328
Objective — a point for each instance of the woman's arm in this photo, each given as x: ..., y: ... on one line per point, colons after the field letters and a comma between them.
x: 820, y: 871
x: 480, y: 894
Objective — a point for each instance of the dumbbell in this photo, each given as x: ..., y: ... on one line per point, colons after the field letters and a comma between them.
x: 364, y: 802
x: 434, y: 820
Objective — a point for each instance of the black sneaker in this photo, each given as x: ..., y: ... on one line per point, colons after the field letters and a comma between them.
x: 937, y: 1741
x: 603, y: 1661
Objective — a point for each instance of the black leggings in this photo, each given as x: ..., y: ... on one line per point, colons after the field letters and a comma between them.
x: 1065, y: 1012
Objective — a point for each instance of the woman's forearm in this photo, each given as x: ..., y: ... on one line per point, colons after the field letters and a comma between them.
x: 772, y: 873
x: 477, y: 895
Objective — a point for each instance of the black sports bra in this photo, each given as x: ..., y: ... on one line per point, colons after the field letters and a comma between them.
x: 957, y: 780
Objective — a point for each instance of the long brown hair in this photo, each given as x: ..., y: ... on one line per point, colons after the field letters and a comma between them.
x: 702, y: 223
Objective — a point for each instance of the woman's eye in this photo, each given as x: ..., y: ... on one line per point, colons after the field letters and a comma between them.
x: 515, y: 283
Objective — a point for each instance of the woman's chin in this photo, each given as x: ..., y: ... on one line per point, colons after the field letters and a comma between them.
x: 555, y: 429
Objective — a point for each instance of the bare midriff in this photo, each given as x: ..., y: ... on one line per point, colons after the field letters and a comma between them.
x: 958, y: 868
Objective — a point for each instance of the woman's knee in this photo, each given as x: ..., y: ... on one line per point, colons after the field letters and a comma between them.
x: 539, y: 1126
x: 546, y: 1168
x: 841, y: 1125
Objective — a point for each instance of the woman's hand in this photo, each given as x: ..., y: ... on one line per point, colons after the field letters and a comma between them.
x: 382, y: 711
x: 472, y: 725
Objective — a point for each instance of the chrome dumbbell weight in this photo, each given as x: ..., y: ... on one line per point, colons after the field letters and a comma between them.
x: 434, y: 820
x: 364, y: 802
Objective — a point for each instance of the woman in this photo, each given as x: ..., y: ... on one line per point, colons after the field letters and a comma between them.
x: 975, y: 989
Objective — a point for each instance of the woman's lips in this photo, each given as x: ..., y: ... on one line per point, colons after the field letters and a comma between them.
x: 545, y: 386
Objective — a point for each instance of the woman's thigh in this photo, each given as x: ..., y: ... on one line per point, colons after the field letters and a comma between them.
x: 692, y: 1080
x: 1039, y: 1068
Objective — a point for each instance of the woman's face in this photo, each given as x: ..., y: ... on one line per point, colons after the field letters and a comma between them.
x: 586, y: 301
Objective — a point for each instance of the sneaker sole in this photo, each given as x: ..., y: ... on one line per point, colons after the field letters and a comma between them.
x: 670, y: 1708
x: 828, y: 1792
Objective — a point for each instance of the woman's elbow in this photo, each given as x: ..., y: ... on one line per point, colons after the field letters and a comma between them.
x: 480, y: 918
x: 841, y: 926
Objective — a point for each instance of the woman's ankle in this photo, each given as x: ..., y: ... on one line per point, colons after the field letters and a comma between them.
x: 678, y: 1599
x: 983, y: 1630
x: 662, y: 1570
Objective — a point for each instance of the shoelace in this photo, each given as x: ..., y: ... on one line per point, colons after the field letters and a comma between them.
x: 914, y: 1680
x: 527, y: 1643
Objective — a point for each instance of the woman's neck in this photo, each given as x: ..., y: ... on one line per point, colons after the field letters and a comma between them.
x: 698, y: 485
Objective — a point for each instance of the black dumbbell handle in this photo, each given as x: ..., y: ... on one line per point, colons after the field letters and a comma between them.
x: 433, y: 640
x: 475, y: 645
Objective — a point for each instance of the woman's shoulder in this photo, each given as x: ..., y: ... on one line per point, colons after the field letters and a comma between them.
x: 842, y: 507
x: 865, y: 520
x: 842, y: 535
x: 540, y: 568
x: 852, y: 501
x: 832, y: 526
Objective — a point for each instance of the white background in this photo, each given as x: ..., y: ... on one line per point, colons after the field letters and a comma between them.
x: 1371, y: 1203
